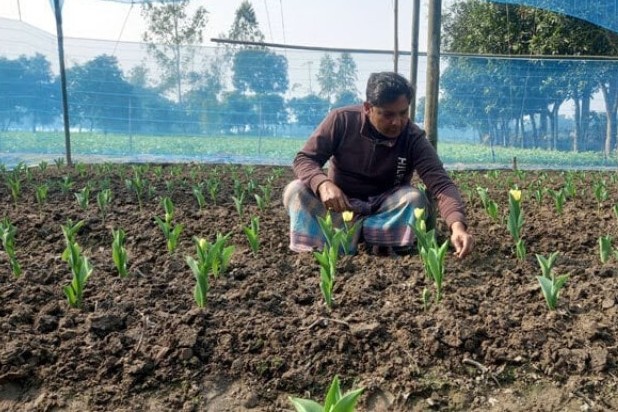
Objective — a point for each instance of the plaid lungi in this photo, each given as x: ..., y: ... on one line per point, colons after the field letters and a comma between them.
x: 386, y: 218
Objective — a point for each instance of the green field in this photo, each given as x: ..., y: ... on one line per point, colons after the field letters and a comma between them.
x: 33, y: 147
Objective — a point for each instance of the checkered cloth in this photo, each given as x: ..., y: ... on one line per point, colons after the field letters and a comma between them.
x: 386, y: 218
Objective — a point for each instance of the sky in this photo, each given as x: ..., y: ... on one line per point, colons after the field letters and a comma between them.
x: 365, y: 24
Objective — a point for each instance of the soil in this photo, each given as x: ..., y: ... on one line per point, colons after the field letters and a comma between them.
x: 142, y: 344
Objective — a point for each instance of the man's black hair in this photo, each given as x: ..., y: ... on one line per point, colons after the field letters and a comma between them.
x: 386, y: 87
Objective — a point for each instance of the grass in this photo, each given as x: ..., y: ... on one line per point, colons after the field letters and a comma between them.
x: 267, y: 150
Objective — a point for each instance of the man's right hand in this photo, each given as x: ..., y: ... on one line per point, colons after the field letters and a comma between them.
x: 333, y: 198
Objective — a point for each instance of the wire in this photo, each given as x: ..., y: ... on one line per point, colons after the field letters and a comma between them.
x: 270, y: 30
x: 282, y: 20
x: 123, y: 26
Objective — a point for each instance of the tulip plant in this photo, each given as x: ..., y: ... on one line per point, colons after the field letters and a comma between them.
x: 239, y: 204
x: 266, y: 192
x: 212, y: 258
x: 327, y: 259
x: 559, y: 197
x: 66, y: 185
x: 104, y: 198
x: 605, y: 248
x: 119, y: 252
x: 40, y: 193
x: 200, y: 268
x: 600, y: 193
x: 435, y: 266
x: 138, y: 185
x: 43, y: 166
x: 7, y: 233
x: 81, y: 269
x: 538, y: 194
x: 426, y: 297
x: 424, y: 238
x: 263, y: 200
x: 516, y: 222
x: 170, y: 230
x: 221, y: 254
x: 253, y: 234
x: 69, y: 231
x: 569, y: 185
x: 336, y: 240
x: 198, y: 192
x: 550, y: 283
x: 432, y: 255
x: 13, y: 182
x: 83, y: 197
x: 334, y: 401
x: 489, y: 205
x: 212, y: 186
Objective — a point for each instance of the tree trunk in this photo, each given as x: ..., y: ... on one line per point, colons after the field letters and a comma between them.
x: 554, y: 126
x: 516, y: 130
x: 544, y: 127
x: 522, y: 142
x: 578, y: 125
x: 535, y: 134
x: 610, y: 95
x: 586, y: 97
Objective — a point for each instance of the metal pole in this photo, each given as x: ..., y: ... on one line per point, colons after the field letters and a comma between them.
x: 433, y: 71
x: 416, y: 4
x: 396, y: 46
x: 63, y: 82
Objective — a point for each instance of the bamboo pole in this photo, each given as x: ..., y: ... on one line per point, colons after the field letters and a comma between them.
x: 63, y: 82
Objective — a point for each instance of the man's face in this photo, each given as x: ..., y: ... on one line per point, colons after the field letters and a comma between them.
x: 389, y: 119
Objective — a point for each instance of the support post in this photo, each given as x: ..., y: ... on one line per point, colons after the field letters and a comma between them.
x: 433, y: 71
x: 416, y: 4
x: 63, y: 83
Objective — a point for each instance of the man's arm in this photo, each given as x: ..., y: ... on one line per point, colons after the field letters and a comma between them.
x: 450, y: 204
x: 315, y: 153
x: 431, y: 171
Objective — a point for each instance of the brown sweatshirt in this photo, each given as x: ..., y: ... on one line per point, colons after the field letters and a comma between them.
x: 363, y: 163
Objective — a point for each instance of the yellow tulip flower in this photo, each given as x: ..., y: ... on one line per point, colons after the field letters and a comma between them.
x: 419, y: 213
x: 347, y: 216
x: 515, y: 194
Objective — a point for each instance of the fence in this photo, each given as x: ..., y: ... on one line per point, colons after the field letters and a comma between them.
x: 257, y: 105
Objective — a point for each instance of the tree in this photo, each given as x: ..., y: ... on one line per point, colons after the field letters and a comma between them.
x: 337, y: 79
x: 238, y: 112
x: 272, y: 111
x: 170, y: 35
x: 39, y: 96
x: 346, y: 98
x: 260, y: 73
x: 100, y: 95
x: 203, y: 101
x: 327, y: 77
x: 309, y: 110
x: 347, y: 74
x: 11, y: 71
x: 536, y: 89
x: 245, y: 26
x: 28, y: 91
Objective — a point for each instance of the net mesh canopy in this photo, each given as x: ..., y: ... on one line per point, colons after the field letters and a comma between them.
x: 258, y: 105
x: 603, y: 13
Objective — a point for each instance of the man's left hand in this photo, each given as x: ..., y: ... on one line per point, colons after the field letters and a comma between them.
x: 461, y: 240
